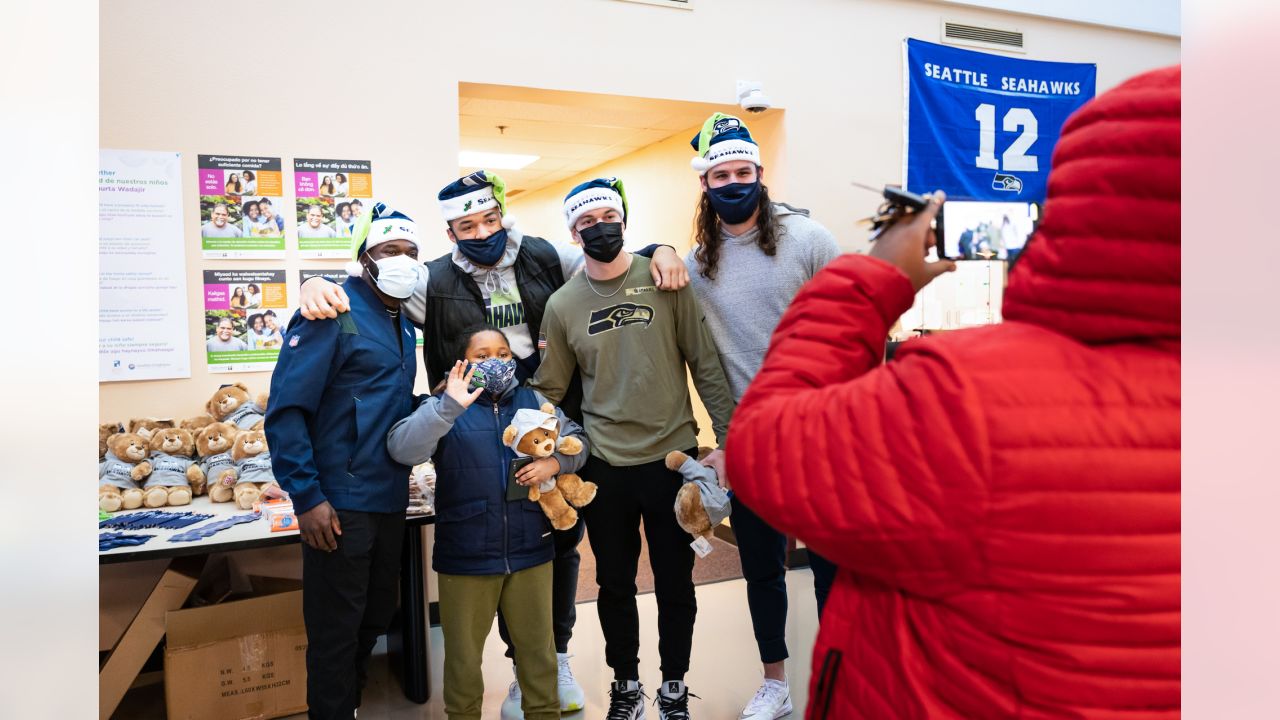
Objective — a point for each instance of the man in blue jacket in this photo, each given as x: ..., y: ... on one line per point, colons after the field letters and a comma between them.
x: 338, y: 387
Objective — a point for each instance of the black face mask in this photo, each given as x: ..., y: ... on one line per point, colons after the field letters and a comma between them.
x: 602, y: 242
x: 735, y: 202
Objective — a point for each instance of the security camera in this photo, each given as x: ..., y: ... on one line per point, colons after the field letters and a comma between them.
x: 751, y: 97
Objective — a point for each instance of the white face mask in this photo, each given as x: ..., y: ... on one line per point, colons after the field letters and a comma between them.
x: 397, y: 275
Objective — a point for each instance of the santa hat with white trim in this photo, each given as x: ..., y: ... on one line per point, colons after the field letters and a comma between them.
x: 477, y: 192
x: 375, y: 226
x: 723, y: 138
x: 601, y: 192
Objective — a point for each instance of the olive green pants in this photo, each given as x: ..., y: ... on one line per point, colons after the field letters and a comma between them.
x: 468, y: 604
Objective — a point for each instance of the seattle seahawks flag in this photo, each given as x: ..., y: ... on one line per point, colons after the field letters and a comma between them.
x: 982, y: 126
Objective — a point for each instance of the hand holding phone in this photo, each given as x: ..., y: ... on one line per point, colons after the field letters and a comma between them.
x: 906, y: 241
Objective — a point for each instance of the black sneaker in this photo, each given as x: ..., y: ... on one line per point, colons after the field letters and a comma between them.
x: 673, y: 700
x: 626, y: 701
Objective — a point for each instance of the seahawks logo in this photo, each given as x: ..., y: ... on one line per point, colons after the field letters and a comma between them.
x: 724, y: 125
x: 620, y: 315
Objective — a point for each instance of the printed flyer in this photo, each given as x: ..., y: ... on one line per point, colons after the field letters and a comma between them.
x: 330, y: 195
x: 241, y: 207
x: 142, y: 284
x: 245, y: 315
x: 338, y: 277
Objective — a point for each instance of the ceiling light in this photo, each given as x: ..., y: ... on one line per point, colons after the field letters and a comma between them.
x: 497, y: 161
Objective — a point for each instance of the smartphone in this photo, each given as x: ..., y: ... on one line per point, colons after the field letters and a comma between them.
x: 983, y: 230
x: 516, y: 491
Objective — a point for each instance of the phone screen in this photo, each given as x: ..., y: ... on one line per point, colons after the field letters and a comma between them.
x: 516, y: 491
x: 977, y: 230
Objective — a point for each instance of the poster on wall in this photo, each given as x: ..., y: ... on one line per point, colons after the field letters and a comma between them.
x: 242, y: 207
x: 982, y: 126
x: 338, y: 277
x: 330, y: 195
x: 245, y: 314
x: 142, y: 288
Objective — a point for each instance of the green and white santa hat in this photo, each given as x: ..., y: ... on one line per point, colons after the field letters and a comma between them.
x: 477, y: 192
x: 601, y: 192
x: 723, y: 138
x: 375, y: 226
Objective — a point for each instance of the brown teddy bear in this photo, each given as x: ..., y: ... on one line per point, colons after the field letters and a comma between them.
x: 253, y: 467
x: 106, y: 430
x: 123, y: 467
x: 145, y: 427
x: 701, y: 504
x: 535, y: 433
x: 213, y: 447
x: 231, y: 403
x: 175, y: 477
x: 195, y: 424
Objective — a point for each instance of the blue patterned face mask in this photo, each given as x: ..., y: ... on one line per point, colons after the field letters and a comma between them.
x: 494, y: 375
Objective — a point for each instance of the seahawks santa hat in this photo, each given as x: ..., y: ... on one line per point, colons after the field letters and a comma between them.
x: 598, y: 193
x: 723, y: 138
x: 375, y: 226
x: 477, y: 192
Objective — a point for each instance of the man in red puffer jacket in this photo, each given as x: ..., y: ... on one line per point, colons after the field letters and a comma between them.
x: 1003, y: 502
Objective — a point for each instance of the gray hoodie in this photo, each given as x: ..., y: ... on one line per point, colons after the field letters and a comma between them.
x: 752, y: 290
x: 256, y: 469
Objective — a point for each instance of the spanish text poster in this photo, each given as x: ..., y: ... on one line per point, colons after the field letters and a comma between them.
x: 983, y: 126
x: 242, y: 207
x: 142, y: 282
x: 338, y: 277
x: 245, y: 315
x: 330, y: 195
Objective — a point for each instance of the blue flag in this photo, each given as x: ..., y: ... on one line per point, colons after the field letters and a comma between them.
x: 982, y: 126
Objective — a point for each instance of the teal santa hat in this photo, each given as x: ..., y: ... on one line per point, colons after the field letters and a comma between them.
x: 375, y: 226
x: 723, y: 138
x: 477, y: 192
x: 598, y: 193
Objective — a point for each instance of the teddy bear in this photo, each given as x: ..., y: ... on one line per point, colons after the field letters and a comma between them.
x: 701, y: 504
x: 195, y: 424
x: 253, y: 467
x: 175, y: 476
x: 213, y: 447
x: 106, y: 430
x: 123, y: 467
x: 144, y: 427
x: 231, y: 403
x: 536, y: 433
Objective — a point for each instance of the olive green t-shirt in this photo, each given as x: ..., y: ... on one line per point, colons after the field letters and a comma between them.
x: 632, y: 346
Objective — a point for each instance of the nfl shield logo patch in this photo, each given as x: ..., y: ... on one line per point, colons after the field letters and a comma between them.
x: 293, y: 341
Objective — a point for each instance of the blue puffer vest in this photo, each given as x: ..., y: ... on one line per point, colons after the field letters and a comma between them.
x: 477, y: 531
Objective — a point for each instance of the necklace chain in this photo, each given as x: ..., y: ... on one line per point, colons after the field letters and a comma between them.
x: 625, y: 278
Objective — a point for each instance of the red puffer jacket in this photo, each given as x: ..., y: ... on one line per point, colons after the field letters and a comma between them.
x: 1003, y: 502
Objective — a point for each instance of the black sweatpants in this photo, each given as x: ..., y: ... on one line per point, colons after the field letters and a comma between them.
x: 348, y: 598
x: 564, y: 589
x: 627, y: 496
x: 763, y: 552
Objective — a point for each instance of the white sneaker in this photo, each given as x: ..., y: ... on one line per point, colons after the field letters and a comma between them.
x: 511, y: 709
x: 572, y: 698
x: 772, y: 701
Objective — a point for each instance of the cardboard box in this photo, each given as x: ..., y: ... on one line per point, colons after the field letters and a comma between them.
x: 238, y: 659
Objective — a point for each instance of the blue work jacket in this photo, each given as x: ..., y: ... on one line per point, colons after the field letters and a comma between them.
x: 338, y: 387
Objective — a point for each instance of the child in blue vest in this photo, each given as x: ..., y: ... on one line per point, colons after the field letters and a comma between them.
x: 490, y: 552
